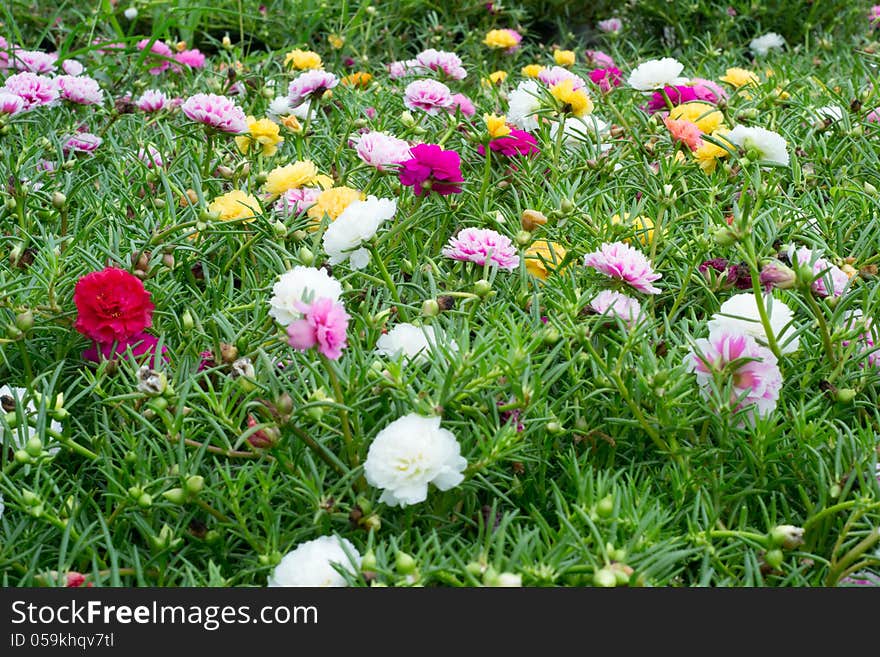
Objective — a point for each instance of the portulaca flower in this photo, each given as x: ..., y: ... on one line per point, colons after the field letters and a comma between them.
x: 830, y: 279
x: 830, y: 112
x: 312, y: 563
x: 381, y: 150
x: 740, y: 313
x: 769, y: 146
x: 301, y: 285
x: 763, y: 44
x: 357, y: 224
x: 414, y: 342
x: 10, y: 399
x: 655, y: 74
x: 524, y: 102
x: 410, y: 453
x: 578, y: 131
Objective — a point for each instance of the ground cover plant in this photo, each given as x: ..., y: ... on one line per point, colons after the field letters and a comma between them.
x: 422, y: 295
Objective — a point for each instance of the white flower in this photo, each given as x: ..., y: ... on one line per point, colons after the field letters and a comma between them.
x: 301, y: 285
x: 763, y: 44
x: 280, y: 106
x: 740, y: 313
x: 578, y: 131
x: 311, y: 563
x: 410, y: 453
x: 10, y: 398
x: 831, y: 112
x: 414, y: 342
x: 770, y: 146
x: 525, y: 100
x: 131, y: 13
x: 381, y: 150
x: 357, y: 224
x: 655, y: 74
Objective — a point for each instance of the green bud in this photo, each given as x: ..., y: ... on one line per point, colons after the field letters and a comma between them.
x: 368, y: 562
x: 34, y: 446
x: 145, y: 500
x: 550, y: 335
x: 605, y: 507
x: 306, y: 256
x: 724, y: 236
x: 430, y: 308
x: 186, y: 321
x: 482, y: 288
x: 13, y: 332
x: 175, y: 496
x: 261, y: 178
x: 787, y: 536
x: 404, y: 563
x: 59, y: 200
x: 280, y: 229
x: 22, y: 456
x: 475, y: 568
x: 605, y: 578
x: 194, y: 484
x: 870, y: 190
x: 29, y: 498
x: 621, y: 577
x: 774, y: 558
x: 284, y: 404
x: 130, y: 457
x: 364, y: 505
x: 845, y: 395
x: 566, y: 205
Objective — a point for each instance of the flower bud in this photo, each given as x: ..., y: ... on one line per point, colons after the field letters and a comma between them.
x: 506, y: 580
x: 430, y: 308
x: 724, y: 236
x: 34, y: 446
x: 131, y: 13
x: 870, y: 190
x: 284, y: 404
x: 407, y: 118
x: 227, y: 42
x: 175, y: 495
x: 404, y: 563
x: 22, y: 456
x: 605, y: 578
x: 774, y: 558
x: 194, y: 484
x: 532, y: 219
x: 845, y: 395
x: 29, y: 498
x: 482, y: 288
x: 787, y: 537
x: 228, y: 352
x: 523, y: 237
x: 605, y: 507
x: 280, y: 229
x: 59, y: 200
x: 776, y: 274
x: 306, y: 256
x: 566, y: 206
x: 25, y: 320
x: 225, y: 172
x: 186, y: 321
x: 145, y: 500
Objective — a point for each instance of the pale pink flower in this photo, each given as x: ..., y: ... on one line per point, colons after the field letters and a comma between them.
x: 152, y: 100
x: 190, y: 58
x: 108, y: 47
x: 427, y: 95
x: 482, y: 245
x: 81, y: 90
x: 556, y: 74
x: 401, y: 69
x: 610, y: 25
x: 296, y: 201
x: 830, y: 279
x: 707, y: 90
x: 621, y: 261
x: 381, y: 150
x: 324, y: 325
x: 151, y: 157
x: 615, y: 304
x: 218, y: 112
x: 441, y: 61
x: 749, y: 369
x: 599, y: 59
x: 684, y: 131
x: 310, y: 84
x: 5, y: 48
x: 463, y: 103
x: 163, y: 55
x: 82, y: 142
x: 72, y: 67
x: 34, y: 61
x: 35, y: 90
x: 866, y: 340
x: 10, y: 103
x: 873, y: 115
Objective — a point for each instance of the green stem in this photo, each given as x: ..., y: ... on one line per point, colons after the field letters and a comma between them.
x: 209, y: 153
x: 380, y: 263
x: 323, y: 453
x: 350, y: 447
x: 759, y: 298
x: 823, y: 325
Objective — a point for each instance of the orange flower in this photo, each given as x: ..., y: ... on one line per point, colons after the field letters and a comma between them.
x: 684, y: 131
x: 358, y: 79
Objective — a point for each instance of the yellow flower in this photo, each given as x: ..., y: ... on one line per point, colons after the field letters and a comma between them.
x: 543, y: 257
x: 262, y: 134
x: 336, y: 41
x: 575, y: 100
x: 781, y: 94
x: 532, y: 70
x: 501, y: 39
x: 739, y: 77
x: 357, y: 79
x: 291, y: 123
x: 564, y: 57
x: 303, y: 60
x: 705, y: 116
x: 709, y: 154
x: 497, y: 77
x: 291, y: 176
x: 333, y: 202
x: 496, y: 125
x: 235, y: 205
x: 642, y: 226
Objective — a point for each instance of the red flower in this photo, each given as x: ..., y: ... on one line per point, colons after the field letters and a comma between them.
x: 113, y: 305
x: 75, y: 580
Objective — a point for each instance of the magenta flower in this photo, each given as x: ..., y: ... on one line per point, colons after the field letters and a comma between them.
x: 427, y: 95
x: 481, y: 246
x: 163, y: 55
x: 82, y: 142
x: 440, y: 61
x: 10, y: 104
x: 518, y: 142
x: 741, y: 363
x: 152, y: 100
x: 296, y: 201
x: 722, y: 275
x: 615, y: 304
x: 142, y: 344
x: 874, y: 16
x: 310, y: 84
x: 462, y: 103
x: 606, y: 78
x: 432, y: 169
x: 151, y: 157
x: 81, y: 90
x: 190, y: 58
x: 610, y: 25
x: 677, y: 95
x: 621, y: 261
x: 556, y: 74
x: 33, y: 61
x: 599, y: 59
x: 829, y: 279
x: 35, y: 90
x: 323, y: 325
x: 381, y: 150
x: 217, y: 112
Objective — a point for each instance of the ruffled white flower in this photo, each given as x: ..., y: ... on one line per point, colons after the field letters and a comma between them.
x: 524, y: 102
x: 311, y: 563
x: 357, y: 224
x: 410, y: 453
x: 414, y: 342
x: 740, y: 313
x: 301, y: 285
x: 831, y: 112
x: 280, y: 106
x: 770, y: 146
x: 763, y: 44
x: 655, y: 74
x: 10, y: 398
x: 579, y: 131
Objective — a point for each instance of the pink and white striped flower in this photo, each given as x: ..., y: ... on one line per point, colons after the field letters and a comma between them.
x: 217, y: 112
x: 441, y: 61
x: 620, y: 261
x: 310, y: 84
x: 481, y: 246
x: 33, y: 61
x: 35, y: 90
x: 427, y: 95
x: 81, y: 89
x: 152, y: 100
x: 381, y: 150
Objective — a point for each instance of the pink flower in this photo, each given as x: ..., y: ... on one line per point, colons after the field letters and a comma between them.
x: 621, y: 261
x: 481, y: 246
x: 82, y: 89
x: 677, y: 95
x: 324, y: 324
x: 708, y: 91
x: 82, y: 142
x: 310, y: 84
x: 518, y: 142
x: 440, y: 61
x: 746, y: 368
x: 218, y: 112
x: 606, y: 78
x: 432, y: 169
x: 10, y: 103
x: 161, y: 50
x: 610, y: 25
x: 151, y: 157
x: 33, y: 61
x: 152, y: 100
x: 4, y: 53
x: 874, y: 15
x: 297, y: 201
x: 35, y: 90
x: 141, y: 344
x: 381, y: 150
x: 402, y: 69
x: 615, y: 304
x: 108, y: 47
x: 684, y: 131
x: 190, y: 58
x: 874, y: 114
x: 556, y: 74
x: 427, y: 95
x: 599, y: 59
x: 72, y: 67
x: 830, y: 279
x: 463, y: 103
x: 866, y: 340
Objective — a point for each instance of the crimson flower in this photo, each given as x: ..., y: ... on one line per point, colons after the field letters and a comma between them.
x: 113, y: 306
x: 432, y: 169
